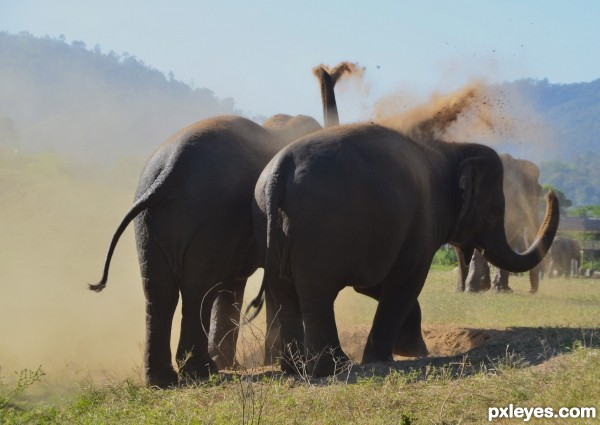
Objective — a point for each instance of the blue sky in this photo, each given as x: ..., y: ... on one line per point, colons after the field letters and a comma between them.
x: 261, y: 52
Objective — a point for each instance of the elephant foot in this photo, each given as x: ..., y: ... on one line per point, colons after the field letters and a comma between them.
x: 504, y: 290
x: 291, y: 361
x: 411, y: 349
x: 164, y: 379
x: 224, y: 362
x: 329, y: 362
x: 485, y: 284
x: 192, y: 371
x: 370, y: 355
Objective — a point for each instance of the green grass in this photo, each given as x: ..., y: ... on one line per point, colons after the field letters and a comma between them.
x: 546, y: 353
x: 398, y: 397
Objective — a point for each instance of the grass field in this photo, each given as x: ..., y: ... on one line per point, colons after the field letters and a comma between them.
x: 69, y: 356
x: 540, y: 351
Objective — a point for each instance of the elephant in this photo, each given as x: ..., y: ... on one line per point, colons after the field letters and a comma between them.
x: 522, y: 192
x: 366, y: 206
x: 563, y: 253
x: 194, y: 235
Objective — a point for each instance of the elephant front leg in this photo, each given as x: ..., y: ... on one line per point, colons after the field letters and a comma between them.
x: 462, y: 271
x: 534, y: 279
x: 409, y: 342
x: 398, y: 302
x: 225, y: 324
x: 500, y: 282
x: 479, y: 274
x: 161, y: 300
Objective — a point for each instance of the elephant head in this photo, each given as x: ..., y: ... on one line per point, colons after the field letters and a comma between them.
x: 482, y: 214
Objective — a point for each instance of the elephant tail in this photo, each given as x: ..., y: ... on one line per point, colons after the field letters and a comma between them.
x: 148, y: 198
x: 275, y: 260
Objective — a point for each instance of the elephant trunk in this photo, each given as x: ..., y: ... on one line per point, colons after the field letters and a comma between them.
x: 326, y: 83
x: 503, y: 256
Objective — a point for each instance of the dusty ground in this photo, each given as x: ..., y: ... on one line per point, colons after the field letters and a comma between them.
x: 459, y: 350
x: 441, y: 340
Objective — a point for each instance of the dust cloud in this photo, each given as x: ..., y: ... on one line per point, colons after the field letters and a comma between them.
x: 476, y: 113
x: 54, y: 228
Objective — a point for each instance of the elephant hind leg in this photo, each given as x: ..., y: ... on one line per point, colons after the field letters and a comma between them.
x: 323, y: 349
x: 287, y: 324
x: 161, y: 300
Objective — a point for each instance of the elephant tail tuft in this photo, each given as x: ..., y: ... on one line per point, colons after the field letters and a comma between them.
x: 97, y: 287
x: 256, y: 304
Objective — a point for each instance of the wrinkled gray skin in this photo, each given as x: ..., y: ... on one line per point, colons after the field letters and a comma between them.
x: 194, y: 236
x: 562, y: 252
x: 365, y: 206
x: 522, y: 192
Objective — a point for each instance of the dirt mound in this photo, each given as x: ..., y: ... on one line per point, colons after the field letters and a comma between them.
x: 441, y: 340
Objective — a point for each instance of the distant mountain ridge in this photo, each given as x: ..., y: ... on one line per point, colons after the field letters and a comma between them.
x: 88, y: 104
x: 102, y: 107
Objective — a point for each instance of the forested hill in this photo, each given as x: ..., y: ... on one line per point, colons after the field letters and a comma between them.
x: 81, y: 102
x: 572, y: 111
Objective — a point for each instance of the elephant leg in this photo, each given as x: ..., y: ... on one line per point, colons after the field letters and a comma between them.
x: 500, y: 282
x: 291, y: 330
x: 192, y: 352
x: 476, y: 271
x: 534, y: 279
x: 409, y: 342
x: 397, y: 302
x: 225, y: 324
x: 485, y: 284
x: 324, y: 355
x: 273, y: 336
x: 463, y: 270
x: 550, y: 269
x: 161, y: 300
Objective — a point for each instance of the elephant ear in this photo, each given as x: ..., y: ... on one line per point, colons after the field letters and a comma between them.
x: 469, y: 176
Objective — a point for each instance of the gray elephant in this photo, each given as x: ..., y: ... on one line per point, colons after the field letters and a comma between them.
x: 522, y: 192
x: 366, y: 206
x: 563, y: 258
x: 194, y: 235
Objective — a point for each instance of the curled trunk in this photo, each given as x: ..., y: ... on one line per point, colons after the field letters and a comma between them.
x: 503, y: 256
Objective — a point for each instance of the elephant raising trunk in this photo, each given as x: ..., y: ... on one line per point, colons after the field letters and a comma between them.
x: 366, y: 206
x: 327, y: 79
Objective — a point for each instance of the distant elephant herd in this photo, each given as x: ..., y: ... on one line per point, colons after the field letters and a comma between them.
x: 361, y: 205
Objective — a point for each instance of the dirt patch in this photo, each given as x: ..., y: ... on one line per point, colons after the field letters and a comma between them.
x: 441, y: 340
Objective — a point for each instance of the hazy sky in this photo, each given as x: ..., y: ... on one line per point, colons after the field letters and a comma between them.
x: 261, y: 52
